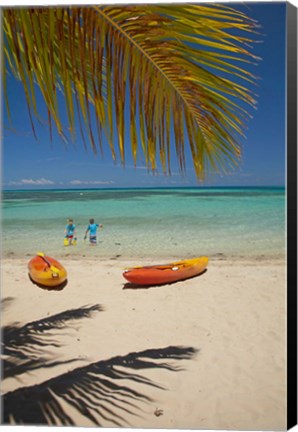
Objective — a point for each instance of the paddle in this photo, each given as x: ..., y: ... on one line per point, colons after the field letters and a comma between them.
x: 41, y: 255
x: 55, y: 271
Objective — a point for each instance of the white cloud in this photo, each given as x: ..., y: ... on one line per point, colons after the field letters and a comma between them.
x: 137, y: 167
x: 90, y: 182
x: 40, y: 182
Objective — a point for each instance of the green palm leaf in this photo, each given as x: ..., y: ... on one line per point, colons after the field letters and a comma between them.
x: 158, y: 72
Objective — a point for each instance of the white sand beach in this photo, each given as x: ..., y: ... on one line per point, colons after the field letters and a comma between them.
x: 205, y: 353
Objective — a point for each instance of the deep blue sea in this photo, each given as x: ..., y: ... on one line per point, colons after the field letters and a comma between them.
x: 161, y: 223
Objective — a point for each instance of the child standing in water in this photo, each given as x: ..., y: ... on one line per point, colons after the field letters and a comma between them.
x: 92, y: 229
x: 70, y: 232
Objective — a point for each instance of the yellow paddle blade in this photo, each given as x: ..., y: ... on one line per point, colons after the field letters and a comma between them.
x: 41, y: 254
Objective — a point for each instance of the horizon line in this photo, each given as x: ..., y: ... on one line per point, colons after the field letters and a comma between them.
x: 147, y: 187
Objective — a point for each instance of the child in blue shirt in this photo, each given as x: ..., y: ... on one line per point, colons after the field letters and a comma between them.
x: 92, y: 228
x: 70, y: 232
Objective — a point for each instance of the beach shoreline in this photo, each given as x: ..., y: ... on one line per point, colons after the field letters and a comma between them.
x: 72, y: 253
x: 204, y: 353
x: 140, y: 224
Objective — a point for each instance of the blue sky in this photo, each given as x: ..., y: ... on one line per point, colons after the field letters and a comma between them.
x: 28, y: 163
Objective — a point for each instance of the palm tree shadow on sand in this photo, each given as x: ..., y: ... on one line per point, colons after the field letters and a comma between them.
x: 5, y: 302
x: 26, y: 348
x: 108, y: 391
x: 137, y: 286
x: 99, y: 392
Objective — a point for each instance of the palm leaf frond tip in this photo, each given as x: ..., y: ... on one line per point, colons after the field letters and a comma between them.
x: 154, y: 73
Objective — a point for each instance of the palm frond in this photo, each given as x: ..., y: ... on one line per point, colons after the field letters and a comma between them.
x: 155, y: 73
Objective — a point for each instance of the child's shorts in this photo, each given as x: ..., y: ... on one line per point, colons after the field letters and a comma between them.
x: 93, y: 239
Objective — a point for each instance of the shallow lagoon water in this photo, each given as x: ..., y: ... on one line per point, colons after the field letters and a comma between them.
x: 141, y: 223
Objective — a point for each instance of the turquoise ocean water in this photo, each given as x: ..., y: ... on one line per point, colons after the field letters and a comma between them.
x: 142, y: 223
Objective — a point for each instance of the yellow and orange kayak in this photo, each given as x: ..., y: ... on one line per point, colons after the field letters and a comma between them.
x: 166, y: 273
x: 46, y: 271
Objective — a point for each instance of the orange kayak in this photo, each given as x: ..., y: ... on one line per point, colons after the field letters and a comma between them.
x: 166, y: 273
x: 46, y: 271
